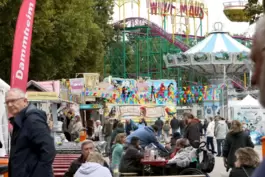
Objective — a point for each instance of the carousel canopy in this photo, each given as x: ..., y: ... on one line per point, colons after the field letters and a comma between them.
x: 218, y: 42
x: 211, y: 56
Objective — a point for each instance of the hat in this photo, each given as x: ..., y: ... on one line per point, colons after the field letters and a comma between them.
x: 98, y: 121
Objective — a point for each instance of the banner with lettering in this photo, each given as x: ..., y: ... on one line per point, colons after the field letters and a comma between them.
x: 77, y: 85
x: 22, y: 45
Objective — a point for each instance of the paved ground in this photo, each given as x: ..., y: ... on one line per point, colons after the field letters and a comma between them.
x: 219, y: 169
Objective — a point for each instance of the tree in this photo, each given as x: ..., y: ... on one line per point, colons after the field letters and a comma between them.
x: 67, y: 37
x: 253, y: 10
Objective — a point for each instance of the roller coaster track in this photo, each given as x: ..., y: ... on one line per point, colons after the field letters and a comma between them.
x: 138, y: 21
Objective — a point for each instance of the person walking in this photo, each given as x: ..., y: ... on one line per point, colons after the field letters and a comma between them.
x: 159, y: 123
x: 210, y: 135
x: 192, y: 130
x: 235, y: 139
x: 174, y: 123
x: 220, y: 134
x: 166, y: 129
x: 107, y: 130
x: 32, y: 147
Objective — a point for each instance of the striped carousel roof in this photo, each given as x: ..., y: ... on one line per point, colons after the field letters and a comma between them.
x: 218, y: 42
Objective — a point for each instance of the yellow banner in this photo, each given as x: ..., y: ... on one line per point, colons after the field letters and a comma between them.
x: 42, y: 96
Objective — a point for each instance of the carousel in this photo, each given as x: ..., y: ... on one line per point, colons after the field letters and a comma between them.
x: 218, y: 56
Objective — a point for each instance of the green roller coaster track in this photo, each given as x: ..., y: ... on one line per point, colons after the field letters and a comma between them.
x: 138, y: 52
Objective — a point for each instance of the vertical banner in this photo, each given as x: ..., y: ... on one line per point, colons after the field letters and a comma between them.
x: 22, y: 45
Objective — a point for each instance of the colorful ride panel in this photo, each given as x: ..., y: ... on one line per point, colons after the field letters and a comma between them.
x: 152, y: 92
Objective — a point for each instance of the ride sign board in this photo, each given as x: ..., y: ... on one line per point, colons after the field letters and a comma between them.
x: 193, y: 9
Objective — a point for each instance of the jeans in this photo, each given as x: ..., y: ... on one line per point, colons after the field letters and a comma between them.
x: 159, y: 133
x: 220, y: 145
x: 108, y: 140
x: 209, y: 142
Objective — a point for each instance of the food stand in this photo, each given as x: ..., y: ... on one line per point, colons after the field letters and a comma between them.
x: 53, y: 105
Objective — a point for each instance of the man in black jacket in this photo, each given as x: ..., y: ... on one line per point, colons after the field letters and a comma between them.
x: 32, y: 147
x: 174, y: 123
x: 86, y: 147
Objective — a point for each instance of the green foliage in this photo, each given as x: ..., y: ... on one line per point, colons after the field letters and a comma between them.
x: 253, y: 10
x: 68, y: 37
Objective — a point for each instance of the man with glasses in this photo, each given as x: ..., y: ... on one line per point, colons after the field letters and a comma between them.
x: 86, y: 148
x: 32, y: 147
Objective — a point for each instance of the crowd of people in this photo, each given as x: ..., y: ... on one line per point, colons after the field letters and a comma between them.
x: 33, y: 151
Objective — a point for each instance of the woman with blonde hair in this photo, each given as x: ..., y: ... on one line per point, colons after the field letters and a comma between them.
x: 117, y: 150
x: 235, y: 139
x: 247, y: 160
x: 93, y: 167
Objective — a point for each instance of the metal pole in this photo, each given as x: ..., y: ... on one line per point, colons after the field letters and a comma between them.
x: 124, y: 54
x: 223, y: 106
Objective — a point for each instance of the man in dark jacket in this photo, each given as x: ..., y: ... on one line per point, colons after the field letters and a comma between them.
x: 32, y: 147
x: 174, y: 123
x: 130, y: 161
x: 86, y: 147
x: 192, y: 130
x: 159, y: 123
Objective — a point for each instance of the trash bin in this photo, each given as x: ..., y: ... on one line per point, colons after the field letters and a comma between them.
x: 4, y: 167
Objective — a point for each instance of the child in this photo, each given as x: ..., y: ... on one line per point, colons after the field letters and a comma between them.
x: 246, y: 162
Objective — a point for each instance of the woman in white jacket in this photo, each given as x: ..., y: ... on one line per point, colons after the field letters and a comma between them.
x: 93, y: 167
x: 210, y: 135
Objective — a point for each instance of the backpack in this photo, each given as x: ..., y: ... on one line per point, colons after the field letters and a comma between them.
x: 208, y: 162
x: 166, y: 127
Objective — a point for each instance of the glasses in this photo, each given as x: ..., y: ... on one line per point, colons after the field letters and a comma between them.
x: 13, y: 100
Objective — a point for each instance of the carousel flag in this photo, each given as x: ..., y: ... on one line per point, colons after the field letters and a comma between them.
x: 22, y: 45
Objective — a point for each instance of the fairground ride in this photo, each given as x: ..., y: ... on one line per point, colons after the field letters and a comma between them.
x: 234, y: 11
x: 140, y: 44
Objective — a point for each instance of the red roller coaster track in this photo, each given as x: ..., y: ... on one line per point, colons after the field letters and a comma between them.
x: 156, y: 29
x: 137, y: 21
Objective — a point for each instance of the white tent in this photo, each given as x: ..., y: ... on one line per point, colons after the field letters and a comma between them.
x: 4, y: 87
x: 249, y: 101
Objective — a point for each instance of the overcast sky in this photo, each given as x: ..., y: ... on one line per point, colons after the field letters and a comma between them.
x: 216, y: 14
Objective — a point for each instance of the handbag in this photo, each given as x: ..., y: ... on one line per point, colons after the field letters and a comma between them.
x: 245, y: 171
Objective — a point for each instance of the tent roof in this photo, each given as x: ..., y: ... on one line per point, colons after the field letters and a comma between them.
x: 218, y: 42
x: 4, y: 85
x: 249, y: 101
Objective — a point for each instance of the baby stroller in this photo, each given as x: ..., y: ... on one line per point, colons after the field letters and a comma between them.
x: 200, y: 167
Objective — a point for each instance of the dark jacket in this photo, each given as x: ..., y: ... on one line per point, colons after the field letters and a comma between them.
x: 174, y: 123
x: 76, y: 164
x: 260, y: 170
x: 192, y: 132
x: 239, y: 172
x: 115, y: 133
x: 107, y: 128
x: 32, y: 147
x: 131, y: 126
x: 130, y: 161
x: 159, y: 123
x: 234, y: 141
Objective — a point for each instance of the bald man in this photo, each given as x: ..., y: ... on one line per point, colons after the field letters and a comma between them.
x: 32, y: 147
x: 258, y: 78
